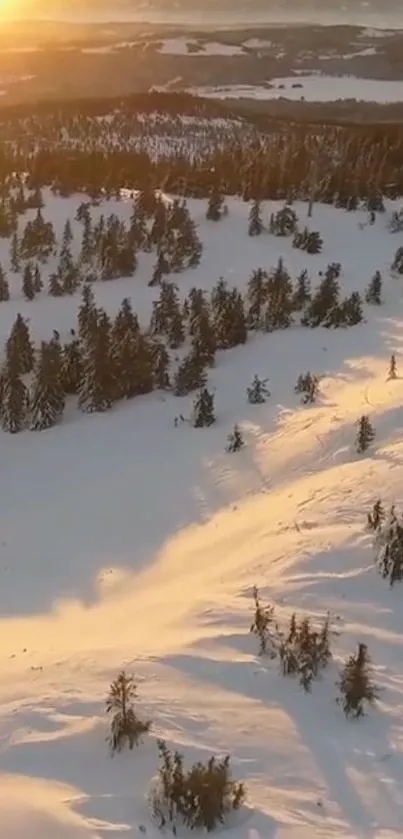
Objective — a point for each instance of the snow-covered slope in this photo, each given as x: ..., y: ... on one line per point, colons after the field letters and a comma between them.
x: 127, y: 542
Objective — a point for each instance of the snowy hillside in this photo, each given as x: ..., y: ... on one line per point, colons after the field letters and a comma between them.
x: 127, y: 542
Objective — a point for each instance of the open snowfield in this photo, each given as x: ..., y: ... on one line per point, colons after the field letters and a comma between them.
x: 127, y: 542
x: 313, y: 88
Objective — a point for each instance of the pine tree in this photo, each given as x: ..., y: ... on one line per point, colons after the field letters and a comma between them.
x: 365, y: 435
x: 14, y: 254
x: 215, y: 206
x: 235, y: 440
x: 47, y: 401
x: 37, y: 280
x: 67, y: 234
x: 126, y: 727
x: 14, y: 399
x: 19, y: 348
x: 55, y: 286
x: 262, y: 625
x: 72, y: 365
x: 204, y: 342
x: 97, y: 387
x: 392, y: 368
x: 373, y: 293
x: 257, y: 294
x: 350, y: 310
x: 161, y: 267
x: 308, y: 386
x: 190, y: 375
x: 284, y: 222
x: 356, y: 683
x: 4, y: 287
x: 397, y: 264
x: 324, y: 302
x: 87, y: 313
x: 390, y: 541
x: 255, y: 226
x: 309, y: 241
x: 27, y: 282
x: 161, y: 364
x: 302, y: 294
x: 377, y: 516
x: 203, y: 409
x: 258, y: 392
x: 279, y: 302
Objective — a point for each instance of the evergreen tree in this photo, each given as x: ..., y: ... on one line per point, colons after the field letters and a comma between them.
x: 67, y: 271
x: 72, y: 365
x: 390, y: 559
x: 284, y: 222
x: 397, y: 264
x: 309, y: 241
x: 67, y: 234
x: 324, y: 302
x: 161, y: 364
x: 228, y: 316
x: 87, y: 313
x: 203, y: 409
x: 204, y: 341
x: 27, y: 282
x: 4, y: 287
x: 308, y: 386
x: 97, y: 387
x: 14, y: 399
x: 302, y: 294
x: 279, y: 303
x: 48, y: 401
x: 19, y: 348
x: 377, y: 516
x: 55, y: 286
x: 257, y: 294
x: 349, y: 311
x: 374, y: 290
x: 356, y: 683
x: 258, y: 392
x: 392, y: 368
x: 215, y: 206
x: 126, y: 727
x: 37, y: 280
x: 255, y: 226
x: 15, y: 254
x: 190, y: 375
x: 166, y: 318
x: 365, y: 435
x: 161, y: 267
x: 235, y: 440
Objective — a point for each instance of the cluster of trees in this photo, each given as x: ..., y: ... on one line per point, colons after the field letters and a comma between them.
x: 305, y: 652
x: 199, y: 797
x: 284, y: 223
x: 93, y: 146
x: 108, y: 248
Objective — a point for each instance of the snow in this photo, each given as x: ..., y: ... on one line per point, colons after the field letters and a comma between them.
x: 182, y: 46
x: 126, y: 542
x: 316, y: 88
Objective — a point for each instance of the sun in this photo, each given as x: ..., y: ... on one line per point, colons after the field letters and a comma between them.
x: 9, y: 9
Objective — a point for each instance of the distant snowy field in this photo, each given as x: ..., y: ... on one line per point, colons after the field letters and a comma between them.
x: 313, y: 88
x: 127, y: 542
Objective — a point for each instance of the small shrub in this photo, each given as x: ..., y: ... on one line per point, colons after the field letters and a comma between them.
x: 304, y: 650
x: 200, y: 797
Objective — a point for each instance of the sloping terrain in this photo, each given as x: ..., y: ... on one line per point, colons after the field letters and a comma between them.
x: 128, y: 542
